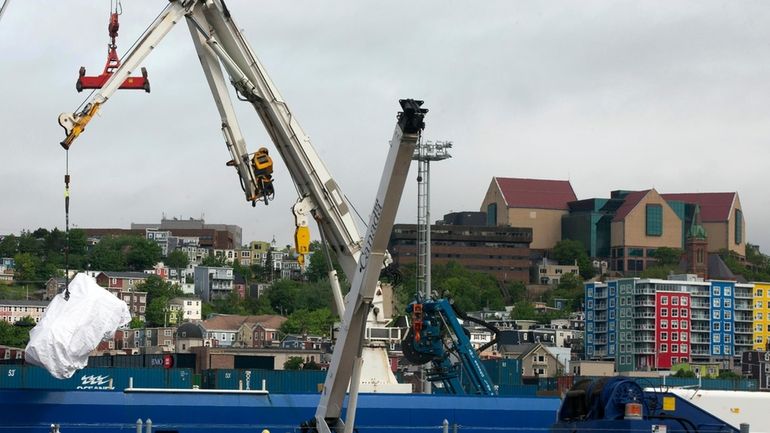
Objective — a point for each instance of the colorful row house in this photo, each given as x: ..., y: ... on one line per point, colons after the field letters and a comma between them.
x: 647, y: 324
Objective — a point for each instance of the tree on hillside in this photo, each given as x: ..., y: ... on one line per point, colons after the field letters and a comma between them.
x: 142, y: 254
x: 570, y: 288
x: 9, y: 246
x: 470, y: 290
x: 26, y: 268
x: 287, y: 296
x: 316, y: 322
x: 215, y: 261
x: 318, y: 265
x: 177, y: 260
x: 569, y: 252
x: 668, y: 256
x: 16, y: 335
x: 124, y: 253
x: 293, y: 363
x: 159, y: 292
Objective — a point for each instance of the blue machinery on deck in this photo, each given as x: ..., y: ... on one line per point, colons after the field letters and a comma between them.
x: 619, y: 404
x: 436, y: 336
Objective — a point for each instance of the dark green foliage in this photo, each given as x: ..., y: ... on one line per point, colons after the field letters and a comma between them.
x: 311, y: 365
x: 318, y: 265
x: 470, y: 290
x: 568, y: 252
x: 728, y: 374
x: 658, y: 271
x: 135, y: 323
x: 668, y: 257
x: 16, y: 335
x: 9, y: 246
x: 287, y: 296
x: 685, y: 373
x: 177, y: 260
x: 124, y: 253
x: 316, y: 322
x: 214, y: 261
x: 159, y: 292
x: 293, y: 363
x: 755, y: 270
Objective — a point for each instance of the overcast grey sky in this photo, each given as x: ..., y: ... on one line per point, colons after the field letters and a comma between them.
x: 608, y: 94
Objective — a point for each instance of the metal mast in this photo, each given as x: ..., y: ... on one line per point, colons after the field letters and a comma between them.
x: 424, y: 154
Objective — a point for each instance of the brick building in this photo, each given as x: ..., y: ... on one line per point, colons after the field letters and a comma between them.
x: 500, y: 251
x: 536, y: 204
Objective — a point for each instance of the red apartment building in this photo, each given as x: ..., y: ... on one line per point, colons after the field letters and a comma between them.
x: 672, y: 330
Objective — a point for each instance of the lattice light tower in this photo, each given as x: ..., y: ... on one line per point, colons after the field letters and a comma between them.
x: 424, y: 154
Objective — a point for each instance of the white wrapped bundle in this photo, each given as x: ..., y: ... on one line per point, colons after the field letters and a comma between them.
x: 70, y: 330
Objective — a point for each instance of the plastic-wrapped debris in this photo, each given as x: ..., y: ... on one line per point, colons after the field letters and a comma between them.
x: 70, y: 329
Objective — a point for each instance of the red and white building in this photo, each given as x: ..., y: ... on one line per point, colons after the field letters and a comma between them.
x: 672, y: 328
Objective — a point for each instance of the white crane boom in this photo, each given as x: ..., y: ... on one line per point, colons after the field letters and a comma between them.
x: 219, y: 43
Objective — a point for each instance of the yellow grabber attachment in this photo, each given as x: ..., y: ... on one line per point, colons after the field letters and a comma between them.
x: 74, y: 124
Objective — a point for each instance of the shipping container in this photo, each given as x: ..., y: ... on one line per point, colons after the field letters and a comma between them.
x: 128, y: 361
x: 503, y: 371
x: 509, y: 390
x: 11, y: 376
x: 96, y: 379
x: 99, y: 361
x: 276, y: 381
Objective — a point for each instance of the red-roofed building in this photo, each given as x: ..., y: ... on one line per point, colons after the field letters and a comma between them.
x: 643, y: 223
x: 535, y: 203
x: 722, y: 217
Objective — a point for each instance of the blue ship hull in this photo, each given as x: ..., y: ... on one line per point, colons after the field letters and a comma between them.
x: 35, y: 410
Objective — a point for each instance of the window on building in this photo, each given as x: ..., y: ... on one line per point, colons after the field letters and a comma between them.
x: 674, y: 300
x: 717, y: 350
x: 738, y: 227
x: 664, y: 324
x: 728, y: 326
x: 674, y: 348
x: 728, y: 315
x: 674, y: 324
x: 684, y: 301
x: 664, y: 347
x: 728, y: 291
x: 654, y: 220
x: 715, y: 291
x: 683, y: 336
x: 716, y: 326
x: 674, y: 360
x: 682, y: 348
x: 715, y: 303
x: 674, y: 336
x: 664, y: 300
x: 664, y: 312
x: 728, y: 303
x: 674, y: 312
x: 683, y: 313
x: 716, y: 314
x: 492, y: 214
x: 683, y: 324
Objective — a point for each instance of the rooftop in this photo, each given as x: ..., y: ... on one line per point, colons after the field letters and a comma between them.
x: 714, y: 206
x: 536, y: 193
